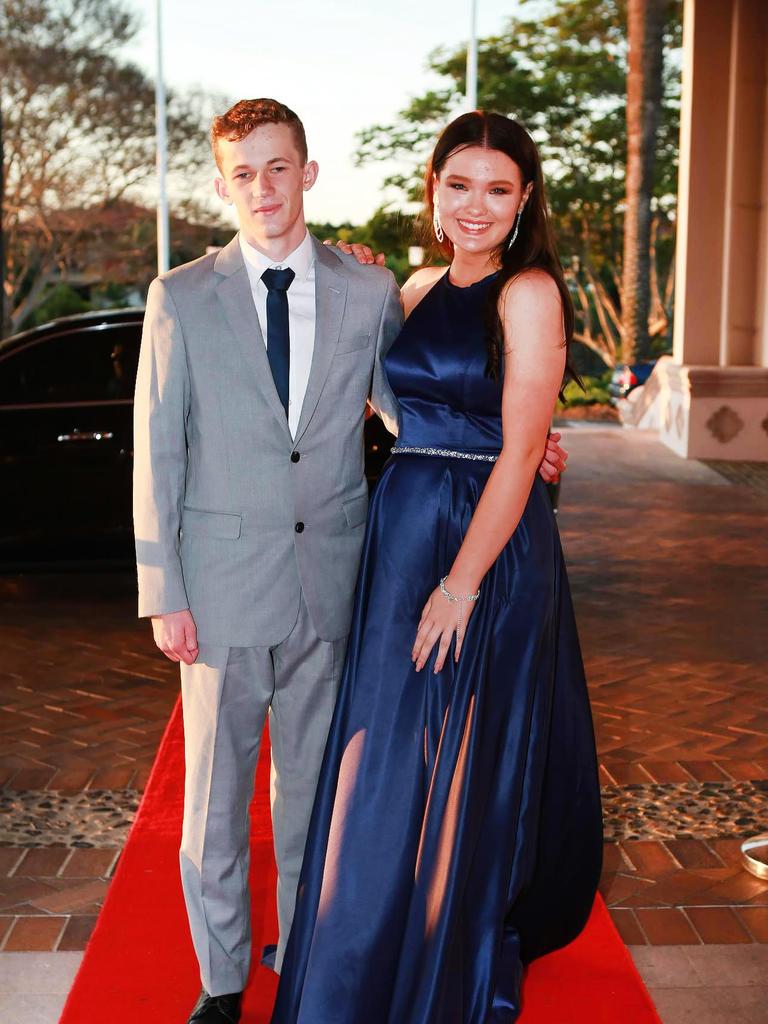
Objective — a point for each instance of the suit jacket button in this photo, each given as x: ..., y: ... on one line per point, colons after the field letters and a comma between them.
x: 295, y: 456
x: 299, y: 527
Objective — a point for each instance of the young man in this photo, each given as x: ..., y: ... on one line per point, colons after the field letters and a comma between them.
x: 250, y: 506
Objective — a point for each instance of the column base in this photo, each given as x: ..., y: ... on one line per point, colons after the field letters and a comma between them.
x: 713, y: 412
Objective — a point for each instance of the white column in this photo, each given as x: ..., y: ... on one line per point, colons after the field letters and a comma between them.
x: 744, y: 185
x: 761, y: 299
x: 701, y: 206
x: 713, y: 393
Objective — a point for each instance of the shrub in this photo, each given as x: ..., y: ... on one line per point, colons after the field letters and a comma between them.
x: 595, y: 391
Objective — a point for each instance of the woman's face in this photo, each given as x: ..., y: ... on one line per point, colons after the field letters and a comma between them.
x: 479, y: 192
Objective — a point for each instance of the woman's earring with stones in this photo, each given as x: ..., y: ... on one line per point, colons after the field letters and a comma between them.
x: 439, y: 233
x: 517, y: 228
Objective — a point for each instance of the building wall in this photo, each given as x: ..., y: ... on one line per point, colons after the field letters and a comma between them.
x: 761, y: 340
x: 714, y: 392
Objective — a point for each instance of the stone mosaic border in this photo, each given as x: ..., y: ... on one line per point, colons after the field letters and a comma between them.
x: 93, y: 818
x: 685, y: 810
x: 680, y: 810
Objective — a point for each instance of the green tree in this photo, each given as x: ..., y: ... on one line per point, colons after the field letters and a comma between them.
x: 390, y: 232
x: 78, y: 135
x: 560, y: 68
x: 387, y: 231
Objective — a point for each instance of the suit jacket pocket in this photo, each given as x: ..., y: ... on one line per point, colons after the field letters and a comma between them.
x: 353, y: 343
x: 225, y: 525
x: 356, y: 510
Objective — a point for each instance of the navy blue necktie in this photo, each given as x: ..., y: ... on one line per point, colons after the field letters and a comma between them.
x: 278, y: 336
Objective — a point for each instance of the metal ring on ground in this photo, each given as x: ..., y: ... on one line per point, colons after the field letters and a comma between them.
x: 752, y: 864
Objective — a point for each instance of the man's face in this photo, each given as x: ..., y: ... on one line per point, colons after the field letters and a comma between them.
x: 264, y: 178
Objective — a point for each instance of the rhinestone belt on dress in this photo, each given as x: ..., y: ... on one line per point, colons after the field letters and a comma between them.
x: 408, y: 450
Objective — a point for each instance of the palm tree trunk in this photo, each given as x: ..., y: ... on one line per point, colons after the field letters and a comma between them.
x: 645, y: 32
x: 4, y: 315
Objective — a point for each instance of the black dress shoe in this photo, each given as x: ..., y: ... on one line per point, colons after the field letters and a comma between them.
x: 216, y: 1009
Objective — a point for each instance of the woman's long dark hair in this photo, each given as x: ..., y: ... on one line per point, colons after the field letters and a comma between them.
x: 534, y: 245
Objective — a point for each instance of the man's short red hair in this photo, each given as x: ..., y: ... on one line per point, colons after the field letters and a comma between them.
x: 246, y: 115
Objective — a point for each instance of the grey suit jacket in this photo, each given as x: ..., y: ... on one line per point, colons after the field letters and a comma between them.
x: 220, y: 487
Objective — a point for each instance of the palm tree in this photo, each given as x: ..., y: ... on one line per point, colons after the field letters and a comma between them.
x: 645, y: 31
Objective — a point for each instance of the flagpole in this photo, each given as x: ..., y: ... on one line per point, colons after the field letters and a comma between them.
x: 161, y: 141
x: 472, y: 59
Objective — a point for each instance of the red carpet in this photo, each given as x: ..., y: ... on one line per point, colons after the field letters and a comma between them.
x: 140, y: 966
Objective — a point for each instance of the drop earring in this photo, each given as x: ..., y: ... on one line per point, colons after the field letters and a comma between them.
x: 517, y: 228
x: 439, y: 233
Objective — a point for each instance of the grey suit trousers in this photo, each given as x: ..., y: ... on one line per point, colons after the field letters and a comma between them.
x: 227, y: 695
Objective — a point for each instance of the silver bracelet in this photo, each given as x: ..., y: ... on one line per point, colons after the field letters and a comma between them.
x: 461, y: 602
x: 452, y: 597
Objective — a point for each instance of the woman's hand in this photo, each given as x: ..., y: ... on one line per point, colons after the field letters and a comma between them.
x: 440, y: 619
x: 362, y: 253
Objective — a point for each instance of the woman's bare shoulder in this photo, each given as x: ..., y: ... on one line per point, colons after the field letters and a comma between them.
x: 531, y: 308
x: 531, y: 285
x: 418, y: 284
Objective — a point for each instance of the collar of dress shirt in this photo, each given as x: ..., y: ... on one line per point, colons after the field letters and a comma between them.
x: 300, y: 260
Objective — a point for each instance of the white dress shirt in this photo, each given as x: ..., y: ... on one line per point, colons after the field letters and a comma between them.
x: 301, y: 313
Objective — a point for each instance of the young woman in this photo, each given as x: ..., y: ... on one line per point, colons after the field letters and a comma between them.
x: 456, y: 832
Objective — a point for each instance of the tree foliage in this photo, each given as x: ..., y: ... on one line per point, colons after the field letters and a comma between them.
x: 560, y: 67
x: 78, y: 135
x: 389, y: 231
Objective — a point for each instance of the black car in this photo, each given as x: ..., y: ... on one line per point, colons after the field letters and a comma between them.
x: 66, y: 438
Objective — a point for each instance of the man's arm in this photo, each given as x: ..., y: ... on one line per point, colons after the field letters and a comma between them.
x: 553, y: 465
x: 382, y: 400
x: 160, y: 455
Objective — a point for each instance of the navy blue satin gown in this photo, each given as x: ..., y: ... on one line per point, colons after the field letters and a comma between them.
x: 456, y: 832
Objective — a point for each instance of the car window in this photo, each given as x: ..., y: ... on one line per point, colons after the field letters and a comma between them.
x: 75, y: 366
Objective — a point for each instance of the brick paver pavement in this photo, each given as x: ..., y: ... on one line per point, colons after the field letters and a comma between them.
x: 85, y: 695
x: 84, y: 698
x: 668, y: 568
x: 668, y: 565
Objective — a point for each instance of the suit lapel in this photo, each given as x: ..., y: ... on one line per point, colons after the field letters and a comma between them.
x: 234, y: 293
x: 330, y: 302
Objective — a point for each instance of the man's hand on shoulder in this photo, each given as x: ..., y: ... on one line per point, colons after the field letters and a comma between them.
x: 176, y: 635
x: 362, y: 253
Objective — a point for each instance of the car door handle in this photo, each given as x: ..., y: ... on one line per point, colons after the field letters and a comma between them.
x: 86, y: 435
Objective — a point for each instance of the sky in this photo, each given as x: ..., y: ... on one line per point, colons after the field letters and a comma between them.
x: 342, y: 65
